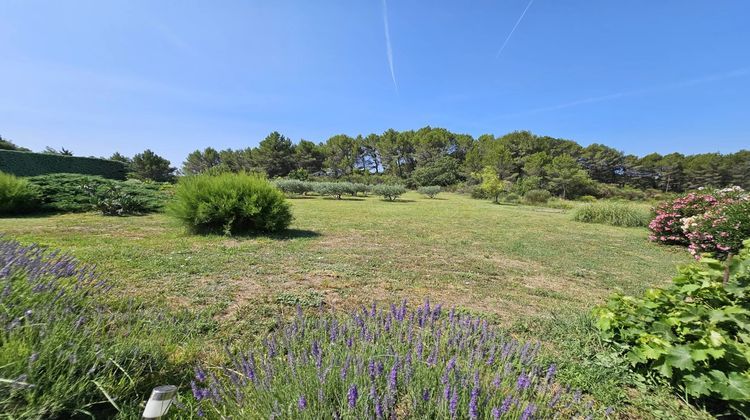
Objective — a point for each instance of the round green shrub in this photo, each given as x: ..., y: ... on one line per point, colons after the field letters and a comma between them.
x: 389, y: 192
x: 537, y: 196
x: 230, y: 204
x: 430, y: 191
x: 587, y: 198
x: 17, y: 195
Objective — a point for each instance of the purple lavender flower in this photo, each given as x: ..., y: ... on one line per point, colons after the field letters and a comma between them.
x: 473, y: 403
x: 393, y: 377
x: 302, y: 403
x: 528, y: 412
x: 426, y: 395
x: 378, y: 409
x: 352, y: 395
x: 507, y: 402
x: 495, y: 413
x: 523, y: 382
x: 447, y: 392
x: 453, y: 405
x: 200, y: 375
x: 551, y: 370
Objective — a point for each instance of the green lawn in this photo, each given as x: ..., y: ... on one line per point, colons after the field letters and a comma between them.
x: 533, y: 270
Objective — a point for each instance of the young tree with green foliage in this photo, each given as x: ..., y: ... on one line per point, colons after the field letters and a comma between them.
x: 566, y: 176
x: 492, y: 185
x: 149, y: 165
x: 309, y: 156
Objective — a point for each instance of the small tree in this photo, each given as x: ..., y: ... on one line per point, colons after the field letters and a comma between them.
x: 492, y: 185
x: 389, y: 192
x: 333, y: 189
x: 149, y: 165
x: 293, y: 186
x: 430, y: 191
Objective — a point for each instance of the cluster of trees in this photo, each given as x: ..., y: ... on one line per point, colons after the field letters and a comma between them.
x: 436, y: 156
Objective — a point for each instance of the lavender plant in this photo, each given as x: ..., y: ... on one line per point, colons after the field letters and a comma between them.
x: 386, y: 363
x: 60, y: 354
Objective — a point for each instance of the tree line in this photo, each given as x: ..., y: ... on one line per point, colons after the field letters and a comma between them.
x: 437, y: 156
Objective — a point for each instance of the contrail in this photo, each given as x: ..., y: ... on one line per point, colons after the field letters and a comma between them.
x: 388, y: 44
x: 500, y: 51
x: 636, y: 92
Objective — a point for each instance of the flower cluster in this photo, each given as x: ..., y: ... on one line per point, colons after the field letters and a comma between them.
x: 720, y: 231
x: 683, y: 221
x: 387, y: 363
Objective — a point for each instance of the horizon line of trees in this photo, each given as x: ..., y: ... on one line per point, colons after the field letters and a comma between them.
x: 437, y: 156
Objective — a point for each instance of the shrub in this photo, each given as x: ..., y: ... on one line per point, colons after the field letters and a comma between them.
x: 333, y: 189
x: 613, y: 213
x: 17, y: 196
x: 537, y: 196
x: 430, y: 191
x: 113, y: 201
x: 587, y: 199
x: 230, y: 204
x: 33, y: 164
x: 693, y: 333
x: 389, y: 192
x: 61, y: 355
x: 666, y: 227
x: 294, y: 186
x: 719, y: 231
x: 72, y: 193
x: 359, y: 187
x: 511, y: 198
x: 385, y: 363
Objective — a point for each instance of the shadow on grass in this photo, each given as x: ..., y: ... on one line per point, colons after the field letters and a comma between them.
x: 302, y: 197
x: 285, y: 235
x: 345, y: 198
x: 400, y: 200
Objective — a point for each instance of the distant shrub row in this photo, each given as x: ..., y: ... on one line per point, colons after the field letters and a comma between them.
x: 339, y: 189
x: 613, y: 213
x: 33, y: 164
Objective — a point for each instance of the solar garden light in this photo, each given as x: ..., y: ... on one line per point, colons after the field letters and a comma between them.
x: 159, y: 402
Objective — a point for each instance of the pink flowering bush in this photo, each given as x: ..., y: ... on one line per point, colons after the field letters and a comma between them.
x: 667, y: 226
x: 719, y: 231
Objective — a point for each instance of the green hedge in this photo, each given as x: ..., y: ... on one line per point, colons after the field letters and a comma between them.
x: 32, y: 164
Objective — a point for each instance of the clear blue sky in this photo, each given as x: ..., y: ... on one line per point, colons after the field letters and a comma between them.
x: 104, y: 76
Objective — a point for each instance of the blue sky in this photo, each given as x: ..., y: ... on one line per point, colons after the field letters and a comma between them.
x: 104, y: 76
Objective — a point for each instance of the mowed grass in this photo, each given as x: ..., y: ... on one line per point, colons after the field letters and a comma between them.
x: 533, y: 270
x: 508, y: 261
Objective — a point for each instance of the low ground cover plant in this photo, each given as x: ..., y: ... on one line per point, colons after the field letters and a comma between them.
x: 389, y: 192
x: 430, y: 191
x: 74, y: 193
x: 17, y: 196
x: 62, y: 355
x: 613, y: 213
x: 387, y: 362
x: 694, y: 333
x: 230, y: 203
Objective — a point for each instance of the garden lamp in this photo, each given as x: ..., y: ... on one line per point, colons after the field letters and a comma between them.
x: 159, y: 402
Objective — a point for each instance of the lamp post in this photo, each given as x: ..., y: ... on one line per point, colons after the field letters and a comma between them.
x: 159, y: 402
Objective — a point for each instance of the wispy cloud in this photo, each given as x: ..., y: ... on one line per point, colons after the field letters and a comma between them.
x: 518, y: 22
x: 388, y: 48
x: 637, y: 92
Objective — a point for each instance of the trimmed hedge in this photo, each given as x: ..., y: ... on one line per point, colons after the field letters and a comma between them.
x: 33, y: 164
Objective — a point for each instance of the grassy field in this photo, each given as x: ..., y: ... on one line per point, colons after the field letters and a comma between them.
x: 532, y: 270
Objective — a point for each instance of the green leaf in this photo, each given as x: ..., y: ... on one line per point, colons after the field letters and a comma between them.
x: 680, y: 357
x: 697, y: 385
